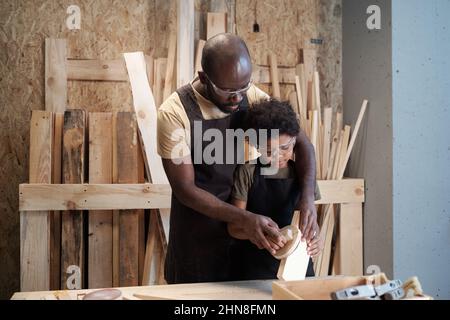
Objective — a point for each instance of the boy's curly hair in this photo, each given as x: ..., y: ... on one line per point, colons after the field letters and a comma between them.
x: 273, y: 114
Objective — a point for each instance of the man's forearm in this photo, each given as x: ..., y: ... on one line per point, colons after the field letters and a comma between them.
x: 209, y: 205
x: 305, y: 165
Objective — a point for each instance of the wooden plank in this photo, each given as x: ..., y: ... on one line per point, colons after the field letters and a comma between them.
x: 145, y: 108
x: 116, y: 216
x: 150, y: 248
x: 101, y: 70
x: 55, y: 231
x: 100, y: 261
x: 216, y: 22
x: 327, y: 115
x: 35, y: 228
x: 169, y: 80
x: 246, y: 290
x: 159, y: 79
x: 128, y: 172
x: 39, y: 197
x: 72, y: 247
x: 96, y: 70
x: 261, y: 74
x: 300, y: 72
x: 353, y: 139
x: 55, y: 75
x: 198, y: 56
x: 300, y: 93
x: 274, y: 75
x: 351, y: 239
x: 185, y: 41
x: 309, y: 59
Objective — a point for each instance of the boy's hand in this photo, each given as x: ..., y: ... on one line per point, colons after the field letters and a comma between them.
x: 315, y: 245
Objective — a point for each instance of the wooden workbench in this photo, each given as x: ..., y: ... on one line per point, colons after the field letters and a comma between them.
x: 239, y: 290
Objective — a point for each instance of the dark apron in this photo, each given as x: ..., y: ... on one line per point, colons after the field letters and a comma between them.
x: 274, y: 198
x: 199, y: 247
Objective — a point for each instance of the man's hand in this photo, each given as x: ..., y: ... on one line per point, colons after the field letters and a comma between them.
x: 308, y: 220
x: 263, y: 232
x: 315, y: 246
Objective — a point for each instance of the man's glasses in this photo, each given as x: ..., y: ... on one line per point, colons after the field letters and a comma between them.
x: 229, y: 93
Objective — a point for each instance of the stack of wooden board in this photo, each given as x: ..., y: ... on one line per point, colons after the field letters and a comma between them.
x: 333, y: 145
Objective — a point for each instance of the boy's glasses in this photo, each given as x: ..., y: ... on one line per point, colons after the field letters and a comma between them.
x: 229, y: 93
x: 281, y: 149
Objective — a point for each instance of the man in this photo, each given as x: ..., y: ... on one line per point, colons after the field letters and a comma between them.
x: 198, y: 248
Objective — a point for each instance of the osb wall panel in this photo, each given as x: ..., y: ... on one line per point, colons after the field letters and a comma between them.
x: 286, y: 26
x: 109, y: 28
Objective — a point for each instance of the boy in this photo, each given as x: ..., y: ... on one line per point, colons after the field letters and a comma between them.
x: 274, y: 196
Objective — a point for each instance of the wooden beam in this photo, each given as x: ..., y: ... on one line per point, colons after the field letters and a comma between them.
x: 100, y: 238
x: 170, y: 77
x: 128, y: 172
x: 72, y: 246
x: 55, y: 75
x: 274, y: 75
x: 160, y: 66
x: 327, y: 115
x: 55, y: 233
x: 39, y: 197
x: 145, y: 108
x: 35, y: 228
x: 216, y: 23
x: 261, y: 74
x: 198, y: 56
x: 101, y: 70
x: 351, y: 239
x: 185, y: 41
x: 353, y: 139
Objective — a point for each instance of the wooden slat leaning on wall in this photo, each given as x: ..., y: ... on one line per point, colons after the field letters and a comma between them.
x: 55, y: 75
x: 35, y: 227
x: 72, y: 245
x: 55, y: 233
x: 185, y: 41
x: 100, y: 222
x: 216, y: 23
x: 128, y: 158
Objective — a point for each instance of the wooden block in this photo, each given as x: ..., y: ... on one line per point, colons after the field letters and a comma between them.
x: 100, y: 261
x: 198, y: 56
x: 127, y: 172
x: 294, y: 266
x: 351, y: 239
x: 169, y: 80
x: 185, y: 41
x: 274, y: 76
x: 72, y: 247
x: 216, y: 23
x: 35, y: 228
x: 55, y: 75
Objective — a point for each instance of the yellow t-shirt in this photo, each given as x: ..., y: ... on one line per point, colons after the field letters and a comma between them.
x: 173, y: 127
